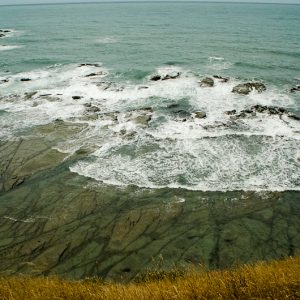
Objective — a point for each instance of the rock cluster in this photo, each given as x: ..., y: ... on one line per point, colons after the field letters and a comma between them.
x: 271, y: 110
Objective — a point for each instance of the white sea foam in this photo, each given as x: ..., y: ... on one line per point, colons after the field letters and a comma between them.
x: 10, y: 47
x: 257, y: 152
x: 106, y: 40
x: 218, y: 64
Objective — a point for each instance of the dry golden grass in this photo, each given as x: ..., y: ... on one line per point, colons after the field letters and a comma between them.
x: 275, y: 280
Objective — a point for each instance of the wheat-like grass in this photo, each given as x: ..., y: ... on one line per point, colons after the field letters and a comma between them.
x: 273, y: 280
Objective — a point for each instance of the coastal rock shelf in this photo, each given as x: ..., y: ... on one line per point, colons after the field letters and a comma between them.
x: 54, y: 222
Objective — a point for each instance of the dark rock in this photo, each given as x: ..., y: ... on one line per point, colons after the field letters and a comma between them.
x: 25, y: 79
x: 45, y: 95
x: 155, y: 78
x: 272, y: 110
x: 295, y: 89
x: 259, y: 108
x: 200, y: 114
x: 76, y: 97
x: 208, y: 82
x: 2, y: 35
x: 4, y: 81
x: 222, y: 79
x: 91, y: 75
x: 165, y: 77
x: 246, y: 88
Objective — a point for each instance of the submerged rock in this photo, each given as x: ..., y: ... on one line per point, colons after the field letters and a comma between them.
x: 95, y: 74
x: 182, y: 113
x: 207, y: 81
x: 30, y: 95
x: 143, y: 87
x: 174, y: 105
x: 246, y: 88
x: 143, y: 120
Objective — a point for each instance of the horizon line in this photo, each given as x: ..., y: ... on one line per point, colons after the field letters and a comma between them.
x: 150, y: 1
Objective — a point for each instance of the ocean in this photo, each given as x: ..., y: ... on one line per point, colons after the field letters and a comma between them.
x: 142, y: 93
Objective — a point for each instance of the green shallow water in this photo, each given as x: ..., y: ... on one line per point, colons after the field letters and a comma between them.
x: 54, y: 222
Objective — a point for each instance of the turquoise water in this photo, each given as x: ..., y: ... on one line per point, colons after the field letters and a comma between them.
x: 130, y: 117
x: 256, y: 41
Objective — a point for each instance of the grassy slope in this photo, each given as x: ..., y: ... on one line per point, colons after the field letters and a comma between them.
x: 275, y: 280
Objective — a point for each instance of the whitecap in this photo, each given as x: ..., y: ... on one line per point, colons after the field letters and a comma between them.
x: 106, y: 40
x: 10, y: 47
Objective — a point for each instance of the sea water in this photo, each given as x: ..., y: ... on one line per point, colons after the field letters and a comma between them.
x: 123, y: 45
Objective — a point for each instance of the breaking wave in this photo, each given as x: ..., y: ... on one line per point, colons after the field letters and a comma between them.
x: 165, y: 131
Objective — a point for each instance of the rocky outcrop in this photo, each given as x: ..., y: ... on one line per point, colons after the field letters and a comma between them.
x: 246, y: 88
x: 207, y: 82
